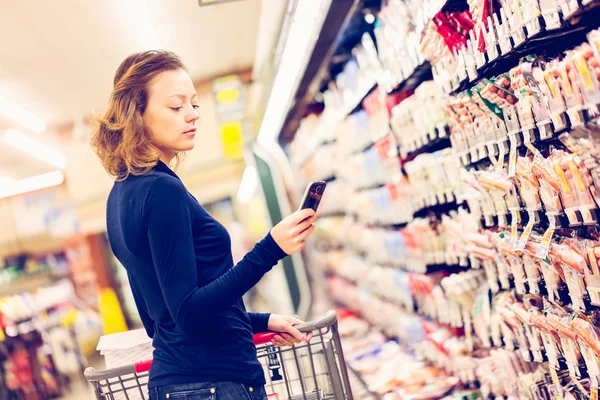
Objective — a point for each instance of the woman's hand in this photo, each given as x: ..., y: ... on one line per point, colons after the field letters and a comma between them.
x: 288, y: 335
x: 291, y: 233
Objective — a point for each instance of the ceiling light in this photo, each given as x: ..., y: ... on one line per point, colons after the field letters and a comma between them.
x: 141, y: 21
x: 22, y: 116
x: 30, y: 184
x: 35, y: 148
x: 293, y: 60
x: 248, y: 185
x: 370, y: 18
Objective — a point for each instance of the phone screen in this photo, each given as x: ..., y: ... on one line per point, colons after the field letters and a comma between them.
x: 313, y: 195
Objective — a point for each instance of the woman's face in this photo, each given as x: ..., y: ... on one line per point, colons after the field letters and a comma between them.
x: 172, y: 112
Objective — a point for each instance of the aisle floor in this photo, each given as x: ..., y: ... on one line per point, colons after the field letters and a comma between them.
x: 81, y: 389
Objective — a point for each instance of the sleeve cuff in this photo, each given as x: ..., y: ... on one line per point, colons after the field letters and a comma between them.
x: 273, y: 248
x: 259, y: 322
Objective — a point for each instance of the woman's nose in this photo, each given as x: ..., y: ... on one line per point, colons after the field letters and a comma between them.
x: 192, y: 115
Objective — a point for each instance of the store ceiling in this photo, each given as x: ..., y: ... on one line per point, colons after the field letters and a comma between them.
x: 57, y: 58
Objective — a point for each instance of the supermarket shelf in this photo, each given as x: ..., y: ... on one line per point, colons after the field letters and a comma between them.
x: 368, y: 144
x: 421, y: 74
x: 383, y: 299
x: 550, y: 43
x: 310, y: 151
x: 562, y: 227
x: 543, y: 146
x: 27, y: 284
x: 390, y: 226
x: 438, y: 209
x: 356, y: 104
x: 431, y: 147
x: 372, y: 186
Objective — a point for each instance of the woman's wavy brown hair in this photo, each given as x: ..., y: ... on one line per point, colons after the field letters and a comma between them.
x: 119, y: 137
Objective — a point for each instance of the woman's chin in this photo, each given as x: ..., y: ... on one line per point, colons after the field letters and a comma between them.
x: 186, y: 146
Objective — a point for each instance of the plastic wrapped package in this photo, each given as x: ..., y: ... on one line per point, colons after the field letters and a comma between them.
x: 582, y: 180
x: 588, y: 345
x: 571, y: 89
x: 479, y: 195
x: 498, y: 187
x: 550, y: 338
x: 574, y: 266
x: 568, y: 339
x: 586, y: 65
x: 528, y: 185
x: 532, y: 333
x: 551, y: 88
x: 532, y: 273
x: 549, y: 183
x: 592, y: 277
x: 550, y: 275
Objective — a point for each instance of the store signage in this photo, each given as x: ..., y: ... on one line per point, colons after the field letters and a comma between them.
x: 230, y: 103
x: 233, y: 139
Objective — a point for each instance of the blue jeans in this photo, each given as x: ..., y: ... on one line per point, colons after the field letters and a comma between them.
x: 209, y: 391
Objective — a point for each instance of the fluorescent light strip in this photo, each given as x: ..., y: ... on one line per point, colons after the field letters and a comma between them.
x: 31, y: 184
x: 21, y: 116
x: 4, y: 180
x: 35, y: 148
x: 293, y: 61
x: 248, y: 185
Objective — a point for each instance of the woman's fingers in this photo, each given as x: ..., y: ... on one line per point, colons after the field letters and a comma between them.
x: 302, y: 215
x: 280, y: 341
x: 292, y: 338
x: 302, y: 226
x: 306, y: 233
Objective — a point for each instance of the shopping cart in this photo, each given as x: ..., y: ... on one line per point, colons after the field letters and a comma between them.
x: 307, y: 371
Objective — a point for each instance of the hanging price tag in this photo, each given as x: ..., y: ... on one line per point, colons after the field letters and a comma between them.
x: 554, y: 377
x: 531, y: 148
x: 514, y: 223
x: 575, y: 171
x: 565, y: 81
x: 584, y: 71
x: 512, y: 157
x: 520, y: 246
x: 502, y: 153
x: 542, y: 251
x: 552, y: 84
x: 561, y: 177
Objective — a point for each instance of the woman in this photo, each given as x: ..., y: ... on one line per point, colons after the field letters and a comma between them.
x: 178, y: 258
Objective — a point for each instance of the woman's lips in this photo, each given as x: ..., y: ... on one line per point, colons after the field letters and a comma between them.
x: 191, y: 131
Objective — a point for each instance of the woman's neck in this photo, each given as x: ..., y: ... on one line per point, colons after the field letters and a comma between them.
x: 166, y: 157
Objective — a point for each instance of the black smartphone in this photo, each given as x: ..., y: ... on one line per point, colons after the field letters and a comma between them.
x: 313, y: 195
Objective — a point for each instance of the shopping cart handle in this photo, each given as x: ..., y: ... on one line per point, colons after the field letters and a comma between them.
x: 143, y: 366
x: 324, y: 322
x: 329, y: 319
x: 264, y: 337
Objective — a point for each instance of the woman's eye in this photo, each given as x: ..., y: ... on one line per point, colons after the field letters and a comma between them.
x: 176, y: 108
x: 196, y: 107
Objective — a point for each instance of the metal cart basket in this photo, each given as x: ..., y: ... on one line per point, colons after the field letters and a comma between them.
x: 307, y: 371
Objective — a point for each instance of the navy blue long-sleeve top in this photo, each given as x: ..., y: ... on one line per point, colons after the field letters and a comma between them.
x: 186, y: 288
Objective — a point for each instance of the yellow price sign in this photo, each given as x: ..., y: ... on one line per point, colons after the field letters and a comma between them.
x: 233, y: 139
x: 228, y: 96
